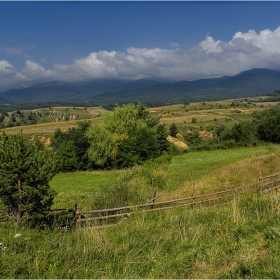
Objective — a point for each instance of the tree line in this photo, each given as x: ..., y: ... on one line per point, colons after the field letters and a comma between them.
x: 264, y: 127
x: 128, y: 136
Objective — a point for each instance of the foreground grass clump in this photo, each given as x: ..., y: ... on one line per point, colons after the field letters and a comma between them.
x: 240, y: 240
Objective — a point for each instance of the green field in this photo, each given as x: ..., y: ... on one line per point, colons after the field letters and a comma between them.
x: 240, y: 240
x: 209, y: 114
x: 182, y: 172
x: 237, y: 240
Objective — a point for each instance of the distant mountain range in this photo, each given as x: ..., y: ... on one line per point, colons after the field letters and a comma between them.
x: 154, y: 91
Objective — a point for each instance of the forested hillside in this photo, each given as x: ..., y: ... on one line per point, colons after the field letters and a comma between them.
x: 153, y: 91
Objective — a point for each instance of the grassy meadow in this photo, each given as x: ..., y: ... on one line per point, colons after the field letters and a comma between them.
x: 60, y: 117
x: 204, y: 168
x: 237, y: 240
x: 206, y: 114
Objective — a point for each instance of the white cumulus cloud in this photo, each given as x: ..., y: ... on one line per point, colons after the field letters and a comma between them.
x: 211, y: 58
x: 6, y: 67
x: 33, y: 70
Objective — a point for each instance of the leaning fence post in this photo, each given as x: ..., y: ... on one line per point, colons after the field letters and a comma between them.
x: 154, y: 198
x: 194, y: 193
x: 260, y: 182
x: 74, y: 214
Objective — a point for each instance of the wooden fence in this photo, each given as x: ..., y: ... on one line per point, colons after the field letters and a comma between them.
x: 112, y: 216
x: 76, y: 217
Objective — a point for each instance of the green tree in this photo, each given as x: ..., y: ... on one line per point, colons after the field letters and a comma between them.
x: 240, y: 134
x: 161, y: 136
x: 25, y: 172
x: 267, y: 124
x: 102, y: 145
x: 71, y: 147
x: 129, y: 136
x: 173, y: 130
x: 140, y: 146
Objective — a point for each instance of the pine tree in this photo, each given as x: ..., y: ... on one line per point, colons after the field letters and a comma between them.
x: 25, y: 172
x: 173, y: 130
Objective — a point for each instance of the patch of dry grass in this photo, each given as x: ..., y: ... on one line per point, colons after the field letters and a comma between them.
x: 242, y: 173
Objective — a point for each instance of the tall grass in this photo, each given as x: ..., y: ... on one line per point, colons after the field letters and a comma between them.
x: 238, y: 241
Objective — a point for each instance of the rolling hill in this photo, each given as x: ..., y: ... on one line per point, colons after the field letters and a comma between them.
x: 155, y: 91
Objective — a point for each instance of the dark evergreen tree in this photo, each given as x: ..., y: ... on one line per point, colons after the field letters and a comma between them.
x: 173, y: 130
x: 25, y: 172
x: 140, y: 146
x: 161, y: 136
x: 71, y: 147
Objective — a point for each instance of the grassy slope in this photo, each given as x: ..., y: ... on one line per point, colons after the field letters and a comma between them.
x: 180, y: 174
x: 79, y: 187
x: 240, y: 240
x: 53, y: 118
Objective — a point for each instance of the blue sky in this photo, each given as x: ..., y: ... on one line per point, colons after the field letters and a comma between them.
x: 71, y: 41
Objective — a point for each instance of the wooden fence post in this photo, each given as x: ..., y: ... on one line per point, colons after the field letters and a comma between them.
x: 74, y: 214
x: 194, y: 193
x: 154, y: 198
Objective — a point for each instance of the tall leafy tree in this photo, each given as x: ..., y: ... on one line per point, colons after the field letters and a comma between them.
x: 128, y: 136
x: 25, y: 172
x: 102, y: 145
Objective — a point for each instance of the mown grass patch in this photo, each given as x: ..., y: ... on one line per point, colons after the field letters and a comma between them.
x: 80, y: 187
x: 191, y: 167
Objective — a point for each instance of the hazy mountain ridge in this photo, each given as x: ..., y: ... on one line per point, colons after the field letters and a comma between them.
x: 4, y: 101
x: 149, y: 90
x: 77, y: 91
x: 249, y: 83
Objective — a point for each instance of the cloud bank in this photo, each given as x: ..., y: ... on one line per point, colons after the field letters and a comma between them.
x: 211, y: 58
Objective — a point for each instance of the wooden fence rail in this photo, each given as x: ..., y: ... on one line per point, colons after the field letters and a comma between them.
x: 164, y: 206
x: 224, y: 197
x: 93, y: 218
